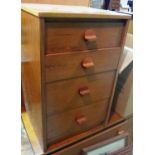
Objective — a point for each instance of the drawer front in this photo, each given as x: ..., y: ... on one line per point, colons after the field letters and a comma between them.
x: 76, y: 149
x: 72, y: 37
x: 69, y: 94
x: 75, y: 121
x: 63, y: 66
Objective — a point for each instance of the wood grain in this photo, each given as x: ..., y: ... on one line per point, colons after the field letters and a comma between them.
x: 76, y: 149
x: 65, y: 124
x: 64, y: 66
x: 62, y: 11
x: 31, y: 72
x: 53, y: 50
x: 115, y: 81
x: 69, y: 37
x: 64, y: 95
x: 52, y: 148
x: 67, y: 142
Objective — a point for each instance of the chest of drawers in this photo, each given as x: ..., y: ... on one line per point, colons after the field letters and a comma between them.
x: 70, y: 58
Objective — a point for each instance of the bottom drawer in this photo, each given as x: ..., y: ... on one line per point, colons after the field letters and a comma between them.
x: 93, y: 144
x: 70, y: 123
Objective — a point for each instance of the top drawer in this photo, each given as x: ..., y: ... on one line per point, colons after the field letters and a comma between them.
x: 71, y: 37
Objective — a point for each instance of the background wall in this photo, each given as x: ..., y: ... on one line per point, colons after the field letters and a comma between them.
x: 62, y: 2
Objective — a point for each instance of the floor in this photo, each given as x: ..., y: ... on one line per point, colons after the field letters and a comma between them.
x: 26, y: 148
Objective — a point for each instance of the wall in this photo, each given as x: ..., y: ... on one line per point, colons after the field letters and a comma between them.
x: 61, y: 2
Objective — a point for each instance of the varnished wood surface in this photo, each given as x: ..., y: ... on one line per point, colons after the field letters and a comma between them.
x: 76, y: 149
x: 62, y: 11
x: 52, y: 148
x: 65, y: 124
x: 69, y: 37
x: 64, y: 66
x: 115, y: 120
x: 64, y: 95
x: 115, y: 81
x: 31, y: 72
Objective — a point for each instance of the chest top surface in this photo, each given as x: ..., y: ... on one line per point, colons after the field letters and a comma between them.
x: 63, y: 11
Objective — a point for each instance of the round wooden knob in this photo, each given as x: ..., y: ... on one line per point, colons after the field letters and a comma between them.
x: 84, y: 91
x: 90, y: 35
x: 81, y: 120
x: 87, y: 63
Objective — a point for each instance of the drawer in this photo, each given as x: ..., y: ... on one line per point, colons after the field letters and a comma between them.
x: 73, y: 93
x: 63, y: 66
x: 101, y: 137
x: 78, y: 36
x: 75, y: 121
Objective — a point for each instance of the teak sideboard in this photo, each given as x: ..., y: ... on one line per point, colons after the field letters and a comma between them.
x: 70, y: 60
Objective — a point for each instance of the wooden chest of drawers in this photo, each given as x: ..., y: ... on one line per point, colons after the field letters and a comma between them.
x: 69, y: 68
